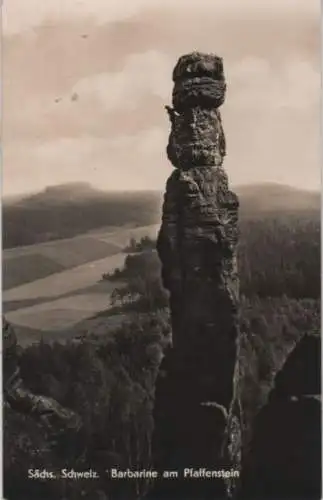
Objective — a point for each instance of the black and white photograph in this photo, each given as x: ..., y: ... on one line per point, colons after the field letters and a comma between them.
x: 161, y: 249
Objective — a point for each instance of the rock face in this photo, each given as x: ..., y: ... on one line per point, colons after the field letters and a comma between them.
x: 60, y: 422
x: 285, y: 457
x: 197, y: 411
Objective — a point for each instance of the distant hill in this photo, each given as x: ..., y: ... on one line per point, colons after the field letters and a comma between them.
x: 68, y: 210
x: 73, y: 192
x: 271, y: 197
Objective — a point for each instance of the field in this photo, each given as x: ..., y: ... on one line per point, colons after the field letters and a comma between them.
x: 50, y: 287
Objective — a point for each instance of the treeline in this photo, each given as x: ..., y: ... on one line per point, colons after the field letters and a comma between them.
x: 280, y: 255
x: 276, y: 257
x: 142, y: 289
x: 145, y: 243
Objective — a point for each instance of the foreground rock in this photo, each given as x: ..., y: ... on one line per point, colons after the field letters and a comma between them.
x: 285, y: 458
x: 197, y: 411
x: 61, y: 423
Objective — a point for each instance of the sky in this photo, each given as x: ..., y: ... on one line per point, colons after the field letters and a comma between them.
x: 85, y: 83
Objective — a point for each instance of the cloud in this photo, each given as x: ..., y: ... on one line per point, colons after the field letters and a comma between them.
x: 21, y: 14
x: 147, y: 73
x: 125, y: 162
x: 115, y: 133
x: 107, y: 104
x: 257, y: 84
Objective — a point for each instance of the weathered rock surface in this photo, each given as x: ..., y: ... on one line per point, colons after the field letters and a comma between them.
x: 197, y: 137
x: 285, y: 457
x: 60, y: 422
x: 198, y: 81
x: 197, y: 411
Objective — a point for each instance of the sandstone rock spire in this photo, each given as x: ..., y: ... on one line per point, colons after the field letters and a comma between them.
x: 197, y: 407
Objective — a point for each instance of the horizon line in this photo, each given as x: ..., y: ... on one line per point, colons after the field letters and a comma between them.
x: 150, y: 190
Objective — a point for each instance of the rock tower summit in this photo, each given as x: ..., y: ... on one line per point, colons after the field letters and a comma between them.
x: 197, y: 419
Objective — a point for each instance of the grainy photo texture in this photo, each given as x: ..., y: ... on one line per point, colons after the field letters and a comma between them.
x: 161, y: 250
